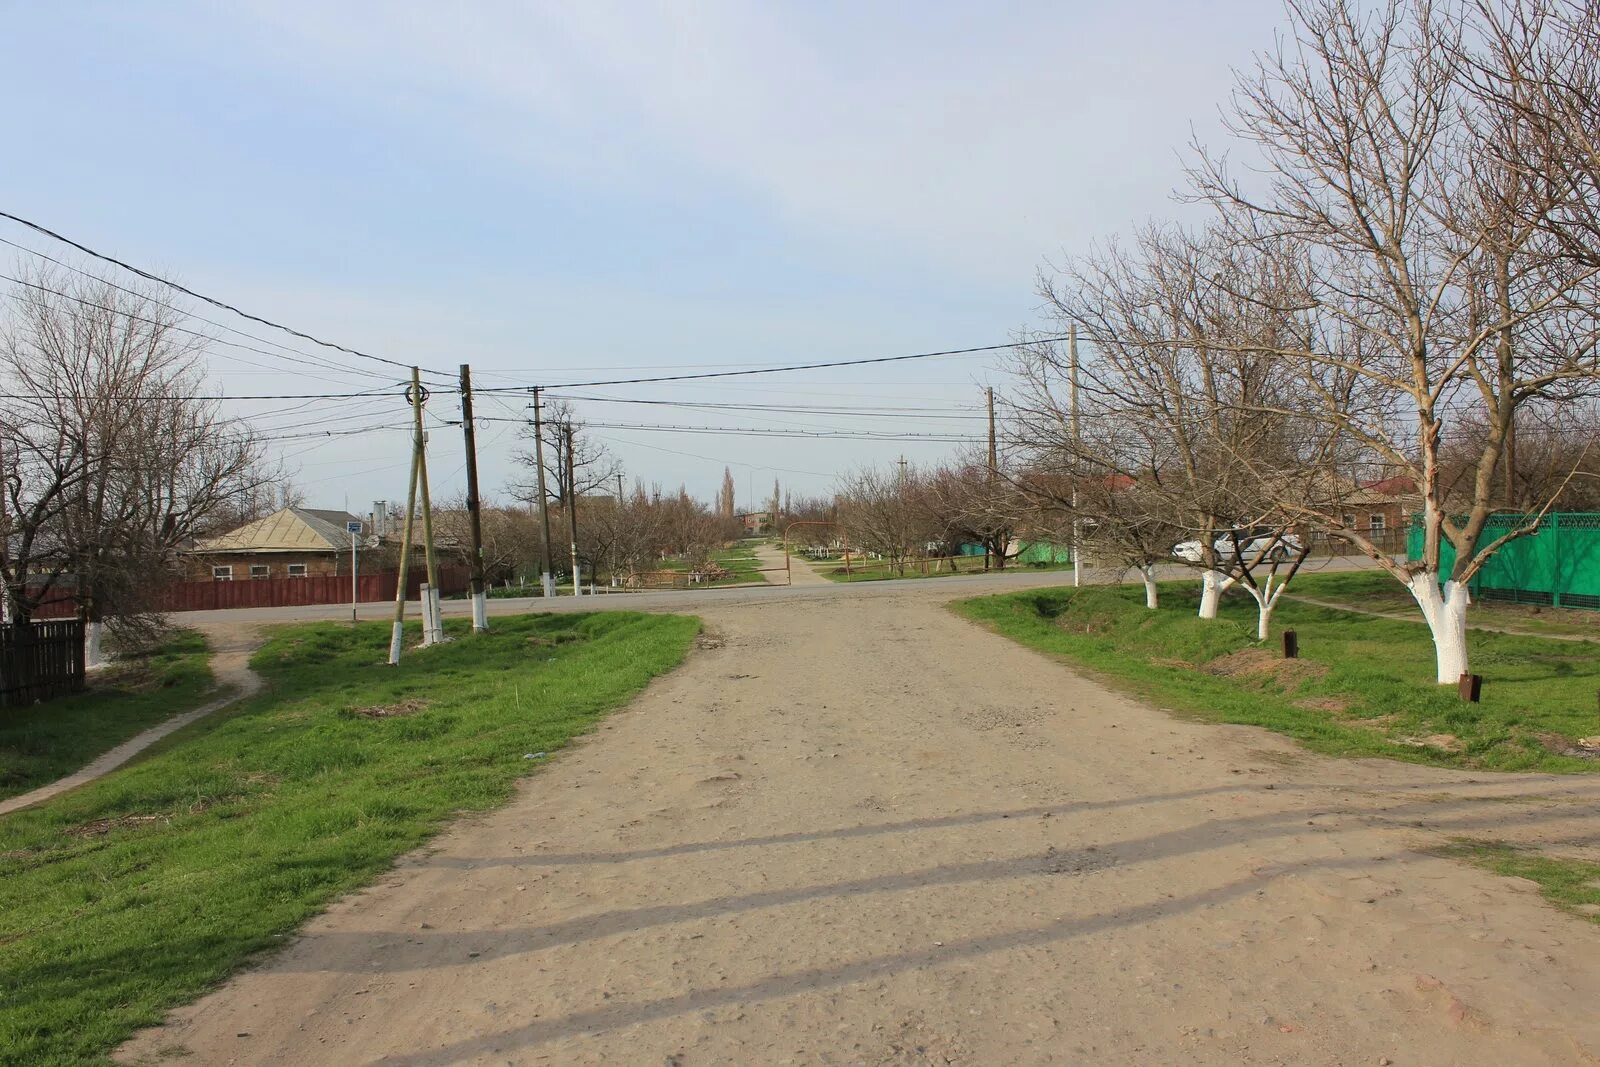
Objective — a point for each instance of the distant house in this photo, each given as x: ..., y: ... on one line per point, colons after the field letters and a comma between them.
x: 292, y: 543
x: 755, y: 521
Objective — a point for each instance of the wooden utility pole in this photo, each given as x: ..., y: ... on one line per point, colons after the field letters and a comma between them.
x: 1077, y: 448
x: 396, y: 634
x: 572, y: 514
x: 546, y: 579
x: 433, y: 625
x: 480, y: 605
x: 994, y: 457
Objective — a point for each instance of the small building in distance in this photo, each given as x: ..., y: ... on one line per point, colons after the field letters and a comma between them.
x: 291, y: 543
x: 755, y: 522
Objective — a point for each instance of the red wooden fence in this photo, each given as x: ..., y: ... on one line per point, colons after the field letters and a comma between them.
x: 277, y: 592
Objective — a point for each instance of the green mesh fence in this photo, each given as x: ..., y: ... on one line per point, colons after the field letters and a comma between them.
x: 1558, y: 565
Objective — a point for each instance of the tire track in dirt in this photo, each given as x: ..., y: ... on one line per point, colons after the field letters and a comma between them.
x: 856, y: 829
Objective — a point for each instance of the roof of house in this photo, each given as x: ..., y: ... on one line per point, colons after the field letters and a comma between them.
x: 289, y: 530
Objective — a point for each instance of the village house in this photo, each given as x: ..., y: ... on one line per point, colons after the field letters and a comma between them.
x: 291, y: 543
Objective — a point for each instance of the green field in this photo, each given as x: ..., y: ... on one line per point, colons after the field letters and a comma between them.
x: 47, y: 741
x: 1363, y: 686
x: 137, y: 892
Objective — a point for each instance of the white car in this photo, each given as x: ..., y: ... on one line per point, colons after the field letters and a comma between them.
x: 1255, y: 545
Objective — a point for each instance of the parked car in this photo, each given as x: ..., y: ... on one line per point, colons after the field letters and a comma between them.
x: 1258, y: 543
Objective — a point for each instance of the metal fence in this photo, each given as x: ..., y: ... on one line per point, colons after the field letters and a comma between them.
x: 1558, y: 565
x: 40, y: 660
x: 279, y: 592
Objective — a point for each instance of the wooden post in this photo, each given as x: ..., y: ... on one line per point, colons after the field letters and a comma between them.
x: 405, y: 533
x: 1291, y: 645
x: 480, y: 608
x: 546, y: 580
x: 436, y: 633
x: 1470, y: 687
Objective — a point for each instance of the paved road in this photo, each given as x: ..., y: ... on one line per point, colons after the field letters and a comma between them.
x: 854, y: 829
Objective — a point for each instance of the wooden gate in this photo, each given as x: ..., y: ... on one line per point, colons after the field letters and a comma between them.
x: 40, y: 660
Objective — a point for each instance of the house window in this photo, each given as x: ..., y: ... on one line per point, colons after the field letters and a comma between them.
x: 297, y: 570
x: 1349, y: 521
x: 222, y: 574
x: 1376, y: 522
x: 260, y: 570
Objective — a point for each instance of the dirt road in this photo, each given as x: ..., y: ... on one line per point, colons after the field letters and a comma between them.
x: 854, y: 829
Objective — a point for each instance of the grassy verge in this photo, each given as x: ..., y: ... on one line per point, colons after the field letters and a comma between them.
x: 1571, y: 885
x: 1362, y: 687
x: 137, y: 892
x: 47, y: 741
x: 878, y: 570
x: 1376, y: 591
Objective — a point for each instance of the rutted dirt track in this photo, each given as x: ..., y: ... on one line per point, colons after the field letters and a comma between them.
x: 855, y: 829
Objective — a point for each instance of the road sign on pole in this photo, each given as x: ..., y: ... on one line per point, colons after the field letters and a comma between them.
x: 353, y: 528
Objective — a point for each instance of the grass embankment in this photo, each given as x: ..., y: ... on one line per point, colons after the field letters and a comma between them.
x: 48, y: 741
x: 1362, y: 687
x: 135, y: 893
x: 1377, y: 591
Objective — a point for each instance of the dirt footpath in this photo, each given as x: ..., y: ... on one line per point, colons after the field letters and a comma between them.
x: 858, y: 830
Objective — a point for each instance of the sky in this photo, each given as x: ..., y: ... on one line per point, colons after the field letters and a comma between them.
x: 569, y: 193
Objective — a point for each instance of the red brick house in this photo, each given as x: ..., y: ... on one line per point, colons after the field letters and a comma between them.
x: 292, y: 543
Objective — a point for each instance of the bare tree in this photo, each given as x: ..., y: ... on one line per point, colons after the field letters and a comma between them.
x: 112, y: 456
x: 1430, y: 299
x: 1174, y: 398
x: 882, y: 513
x: 973, y: 502
x: 593, y: 467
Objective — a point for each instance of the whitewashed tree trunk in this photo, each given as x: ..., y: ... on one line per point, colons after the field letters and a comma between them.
x: 93, y: 656
x: 1263, y: 619
x: 1446, y: 613
x: 1212, y: 585
x: 480, y: 612
x: 1152, y: 595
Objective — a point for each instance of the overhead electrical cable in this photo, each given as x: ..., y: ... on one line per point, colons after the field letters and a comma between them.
x: 769, y: 370
x: 213, y: 301
x: 292, y: 354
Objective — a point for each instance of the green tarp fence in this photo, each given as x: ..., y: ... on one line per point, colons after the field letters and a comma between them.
x: 1558, y: 565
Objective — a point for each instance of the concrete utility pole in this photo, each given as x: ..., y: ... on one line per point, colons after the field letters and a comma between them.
x: 480, y: 600
x: 547, y: 580
x: 572, y: 515
x: 404, y: 577
x: 1077, y: 447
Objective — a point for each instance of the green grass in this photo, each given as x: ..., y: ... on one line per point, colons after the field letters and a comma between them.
x: 47, y: 741
x: 1377, y: 591
x: 1571, y: 885
x: 136, y: 893
x: 1364, y: 687
x: 878, y: 570
x: 739, y: 561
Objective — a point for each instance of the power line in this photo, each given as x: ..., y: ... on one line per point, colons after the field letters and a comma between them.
x: 710, y: 459
x: 292, y: 354
x: 754, y: 431
x: 86, y: 250
x: 772, y: 370
x: 165, y: 325
x: 797, y: 409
